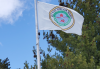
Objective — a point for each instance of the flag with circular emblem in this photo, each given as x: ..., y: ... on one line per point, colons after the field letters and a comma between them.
x: 54, y: 17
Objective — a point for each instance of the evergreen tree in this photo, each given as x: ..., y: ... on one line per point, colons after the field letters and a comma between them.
x: 70, y: 61
x: 79, y: 52
x: 4, y: 64
x: 26, y: 66
x: 89, y: 43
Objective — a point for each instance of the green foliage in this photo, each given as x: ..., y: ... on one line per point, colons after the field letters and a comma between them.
x: 4, y: 64
x: 89, y: 42
x: 26, y: 66
x: 78, y: 52
x: 71, y: 61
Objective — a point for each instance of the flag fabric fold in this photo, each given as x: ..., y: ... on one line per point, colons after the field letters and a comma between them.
x: 54, y: 17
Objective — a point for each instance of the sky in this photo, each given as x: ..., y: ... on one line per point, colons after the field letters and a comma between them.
x: 18, y: 33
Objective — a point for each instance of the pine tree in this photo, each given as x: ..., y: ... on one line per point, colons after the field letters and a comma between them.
x: 70, y: 61
x: 26, y: 66
x: 89, y: 43
x: 4, y: 64
x: 84, y: 51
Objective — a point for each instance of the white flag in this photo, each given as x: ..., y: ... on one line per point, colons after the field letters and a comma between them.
x: 54, y: 17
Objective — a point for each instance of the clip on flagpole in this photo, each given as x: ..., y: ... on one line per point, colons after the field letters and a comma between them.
x: 37, y: 39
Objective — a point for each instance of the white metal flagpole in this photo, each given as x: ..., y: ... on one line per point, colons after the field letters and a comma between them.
x: 37, y: 39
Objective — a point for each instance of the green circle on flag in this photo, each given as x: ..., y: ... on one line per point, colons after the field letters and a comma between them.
x: 62, y: 18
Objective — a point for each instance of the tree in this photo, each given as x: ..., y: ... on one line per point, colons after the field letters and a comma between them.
x: 70, y: 61
x: 4, y: 64
x: 26, y: 66
x: 79, y: 52
x: 89, y: 43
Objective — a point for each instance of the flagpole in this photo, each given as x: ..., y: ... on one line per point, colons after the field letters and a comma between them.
x: 37, y: 39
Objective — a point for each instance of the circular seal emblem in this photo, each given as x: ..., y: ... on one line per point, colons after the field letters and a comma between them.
x: 62, y: 17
